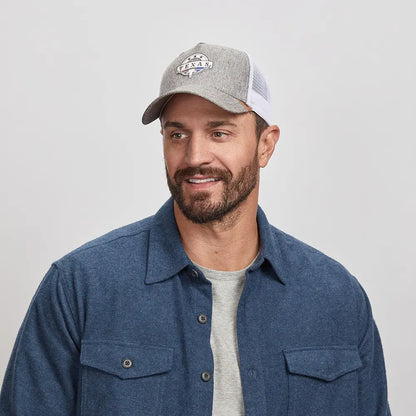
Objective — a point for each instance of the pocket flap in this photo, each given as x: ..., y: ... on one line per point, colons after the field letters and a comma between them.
x: 327, y: 363
x: 126, y: 360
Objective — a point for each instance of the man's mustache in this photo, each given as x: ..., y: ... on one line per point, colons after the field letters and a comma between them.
x: 222, y: 174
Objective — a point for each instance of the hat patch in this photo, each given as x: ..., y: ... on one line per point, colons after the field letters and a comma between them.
x: 194, y: 64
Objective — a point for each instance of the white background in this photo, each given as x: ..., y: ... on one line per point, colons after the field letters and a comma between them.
x: 75, y: 161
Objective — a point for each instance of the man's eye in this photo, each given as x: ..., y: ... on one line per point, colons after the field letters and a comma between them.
x: 219, y: 134
x: 178, y: 135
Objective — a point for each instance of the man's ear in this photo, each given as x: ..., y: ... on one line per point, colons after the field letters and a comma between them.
x: 267, y: 143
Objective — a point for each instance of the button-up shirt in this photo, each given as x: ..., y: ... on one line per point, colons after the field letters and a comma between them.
x: 115, y: 328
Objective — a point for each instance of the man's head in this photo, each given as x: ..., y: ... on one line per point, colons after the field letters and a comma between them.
x: 214, y: 141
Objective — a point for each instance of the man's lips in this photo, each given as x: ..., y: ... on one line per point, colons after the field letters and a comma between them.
x: 201, y: 180
x: 200, y: 183
x: 202, y: 176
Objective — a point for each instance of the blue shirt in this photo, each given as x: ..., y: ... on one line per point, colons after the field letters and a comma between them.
x: 117, y: 327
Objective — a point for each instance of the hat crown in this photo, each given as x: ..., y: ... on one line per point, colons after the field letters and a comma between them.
x: 223, y: 68
x: 225, y: 76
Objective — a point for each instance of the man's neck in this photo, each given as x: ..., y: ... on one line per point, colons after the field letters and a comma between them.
x: 228, y: 245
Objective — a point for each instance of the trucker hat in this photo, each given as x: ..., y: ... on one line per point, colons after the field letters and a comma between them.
x: 227, y: 77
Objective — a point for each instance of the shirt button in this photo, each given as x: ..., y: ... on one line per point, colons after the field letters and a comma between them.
x: 202, y: 318
x: 194, y: 273
x: 206, y: 376
x: 127, y: 363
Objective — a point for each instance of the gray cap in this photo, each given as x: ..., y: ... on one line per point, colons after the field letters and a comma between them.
x: 225, y: 76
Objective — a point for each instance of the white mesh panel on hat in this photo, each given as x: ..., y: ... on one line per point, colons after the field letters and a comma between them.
x: 258, y: 95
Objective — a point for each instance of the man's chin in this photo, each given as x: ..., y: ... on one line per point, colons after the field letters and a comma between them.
x: 205, y: 211
x: 198, y: 198
x: 198, y: 209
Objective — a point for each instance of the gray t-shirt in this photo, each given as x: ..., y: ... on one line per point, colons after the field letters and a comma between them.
x: 226, y: 292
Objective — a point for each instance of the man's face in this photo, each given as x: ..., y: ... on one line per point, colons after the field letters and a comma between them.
x: 210, y: 157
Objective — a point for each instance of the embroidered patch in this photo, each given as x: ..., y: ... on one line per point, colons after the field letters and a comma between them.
x: 194, y: 64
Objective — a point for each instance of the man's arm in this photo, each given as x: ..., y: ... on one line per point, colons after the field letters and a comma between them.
x: 372, y: 400
x: 42, y: 374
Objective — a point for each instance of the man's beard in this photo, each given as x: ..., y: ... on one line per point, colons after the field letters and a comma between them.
x: 199, y: 208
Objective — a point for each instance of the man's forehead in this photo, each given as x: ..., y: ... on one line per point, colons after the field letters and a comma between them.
x: 188, y: 106
x: 186, y: 99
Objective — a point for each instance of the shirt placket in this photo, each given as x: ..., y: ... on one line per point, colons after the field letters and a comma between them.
x: 251, y: 371
x: 198, y: 346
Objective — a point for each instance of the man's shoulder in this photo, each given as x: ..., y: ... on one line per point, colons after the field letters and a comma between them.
x: 110, y: 244
x: 294, y: 248
x: 307, y: 265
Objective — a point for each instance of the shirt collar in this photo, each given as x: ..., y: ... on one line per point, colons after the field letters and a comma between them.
x: 167, y: 257
x: 270, y: 250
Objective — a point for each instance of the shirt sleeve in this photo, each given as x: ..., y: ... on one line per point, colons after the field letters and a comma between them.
x: 372, y: 393
x: 42, y: 374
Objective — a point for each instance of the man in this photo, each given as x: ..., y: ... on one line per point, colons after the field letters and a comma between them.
x: 204, y: 308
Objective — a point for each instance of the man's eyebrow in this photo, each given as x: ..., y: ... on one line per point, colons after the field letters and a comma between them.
x: 210, y: 124
x: 213, y: 124
x: 173, y: 124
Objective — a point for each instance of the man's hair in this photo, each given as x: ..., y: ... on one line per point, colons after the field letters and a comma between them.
x: 261, y: 125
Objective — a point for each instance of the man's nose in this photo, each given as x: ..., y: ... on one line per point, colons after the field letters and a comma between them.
x: 198, y: 151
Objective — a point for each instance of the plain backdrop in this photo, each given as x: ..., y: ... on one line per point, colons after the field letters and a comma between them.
x: 75, y: 161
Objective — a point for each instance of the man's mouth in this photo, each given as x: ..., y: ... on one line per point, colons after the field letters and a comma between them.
x: 194, y: 180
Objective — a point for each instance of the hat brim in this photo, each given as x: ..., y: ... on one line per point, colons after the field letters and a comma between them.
x: 219, y: 98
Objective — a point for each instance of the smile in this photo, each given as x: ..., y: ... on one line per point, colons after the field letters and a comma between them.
x: 202, y: 180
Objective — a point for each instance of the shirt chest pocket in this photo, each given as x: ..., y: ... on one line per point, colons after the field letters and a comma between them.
x: 122, y: 378
x: 323, y: 381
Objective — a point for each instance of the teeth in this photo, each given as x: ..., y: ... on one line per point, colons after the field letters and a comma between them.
x: 202, y: 180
